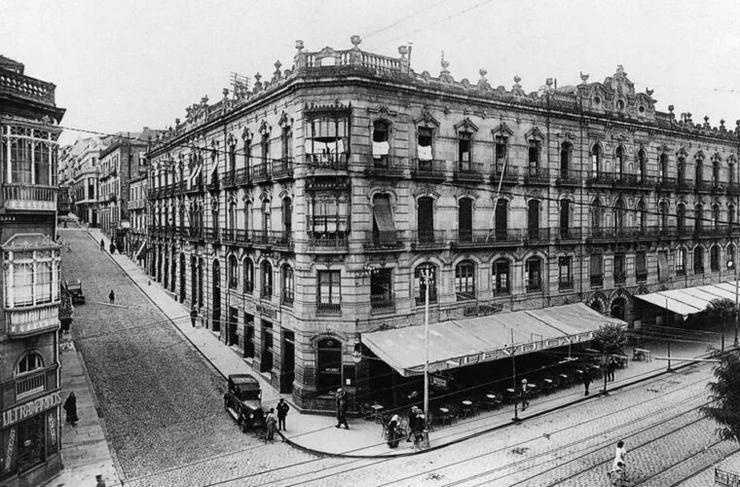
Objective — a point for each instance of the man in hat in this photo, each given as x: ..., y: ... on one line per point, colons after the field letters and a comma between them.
x: 525, y: 394
x: 413, y: 419
x: 341, y: 409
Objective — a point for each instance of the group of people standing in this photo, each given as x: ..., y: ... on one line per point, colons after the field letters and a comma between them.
x: 416, y: 423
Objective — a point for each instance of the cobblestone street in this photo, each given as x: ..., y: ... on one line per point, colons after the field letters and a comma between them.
x: 160, y: 400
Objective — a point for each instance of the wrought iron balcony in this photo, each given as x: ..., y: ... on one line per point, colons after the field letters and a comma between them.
x: 387, y: 240
x: 428, y: 170
x: 30, y: 385
x: 600, y: 179
x: 328, y: 308
x: 29, y: 197
x: 560, y: 234
x: 568, y: 178
x: 238, y: 238
x: 510, y: 175
x: 327, y: 162
x: 487, y: 238
x: 213, y: 235
x: 193, y: 234
x: 684, y: 186
x: 536, y: 176
x: 382, y: 303
x: 468, y: 172
x: 261, y: 172
x: 388, y: 167
x: 229, y: 179
x: 272, y: 238
x: 434, y: 239
x: 620, y: 277
x: 241, y: 177
x: 282, y: 169
x: 333, y: 241
x: 23, y: 322
x: 536, y: 235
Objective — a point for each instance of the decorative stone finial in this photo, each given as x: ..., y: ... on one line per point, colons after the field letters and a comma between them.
x: 444, y: 63
x: 620, y: 70
x: 548, y: 82
x: 299, y: 45
x: 355, y: 40
x: 722, y: 124
x: 483, y: 72
x: 204, y: 100
x: 584, y: 76
x: 403, y: 51
x: 177, y: 122
x: 225, y: 92
x: 649, y: 91
x: 671, y: 108
x: 517, y: 79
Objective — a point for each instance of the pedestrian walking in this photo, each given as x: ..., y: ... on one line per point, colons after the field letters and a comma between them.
x: 70, y: 407
x: 100, y: 481
x: 620, y: 457
x: 586, y: 380
x: 413, y: 419
x: 341, y: 409
x: 525, y: 394
x: 611, y: 366
x: 194, y: 316
x: 102, y: 245
x: 419, y: 429
x: 617, y: 475
x: 112, y: 297
x: 112, y: 248
x: 271, y: 423
x: 394, y: 434
x: 282, y: 412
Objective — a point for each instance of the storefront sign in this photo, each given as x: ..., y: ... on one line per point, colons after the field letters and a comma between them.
x: 438, y: 381
x: 10, y: 451
x: 19, y: 413
x: 267, y: 311
x: 506, y: 352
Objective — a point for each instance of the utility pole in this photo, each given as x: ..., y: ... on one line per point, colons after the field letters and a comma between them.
x: 513, y: 374
x: 427, y: 276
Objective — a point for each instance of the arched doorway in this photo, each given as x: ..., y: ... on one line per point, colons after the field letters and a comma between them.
x: 216, y: 315
x: 182, y: 278
x: 619, y: 308
x: 596, y: 306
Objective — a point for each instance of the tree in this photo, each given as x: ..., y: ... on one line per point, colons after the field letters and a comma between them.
x: 719, y: 310
x: 724, y: 398
x: 610, y: 338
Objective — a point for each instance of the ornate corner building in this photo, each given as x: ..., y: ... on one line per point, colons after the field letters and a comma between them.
x: 302, y: 212
x: 29, y: 349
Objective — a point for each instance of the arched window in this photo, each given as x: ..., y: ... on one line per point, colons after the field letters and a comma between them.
x: 730, y: 257
x: 681, y: 170
x: 681, y: 261
x: 464, y: 151
x: 715, y: 171
x: 533, y: 274
x: 596, y: 211
x: 288, y: 285
x: 287, y: 216
x: 247, y: 217
x: 619, y: 155
x: 265, y: 149
x: 465, y: 280
x: 565, y: 217
x: 641, y: 215
x: 663, y: 167
x: 501, y: 277
x: 619, y: 215
x: 533, y: 219
x: 233, y: 272
x: 28, y: 363
x: 715, y: 216
x: 699, y: 171
x: 698, y: 260
x: 534, y: 157
x: 681, y: 218
x: 641, y: 165
x: 595, y: 161
x: 286, y: 142
x: 698, y: 218
x: 421, y: 283
x: 266, y: 271
x: 266, y: 218
x: 714, y: 258
x: 566, y: 149
x: 231, y: 223
x: 248, y: 276
x: 232, y: 157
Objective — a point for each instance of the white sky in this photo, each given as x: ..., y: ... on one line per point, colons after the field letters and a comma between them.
x: 120, y: 65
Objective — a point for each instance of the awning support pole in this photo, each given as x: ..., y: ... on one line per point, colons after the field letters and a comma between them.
x: 427, y: 278
x: 513, y: 373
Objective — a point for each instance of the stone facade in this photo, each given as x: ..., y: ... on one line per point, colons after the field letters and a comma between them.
x: 299, y: 213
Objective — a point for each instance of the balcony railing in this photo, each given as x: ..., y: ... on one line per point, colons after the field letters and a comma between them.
x: 27, y: 87
x: 385, y: 167
x: 429, y: 239
x: 620, y: 277
x: 22, y: 322
x: 213, y: 235
x: 471, y: 172
x: 536, y: 176
x: 428, y: 170
x: 274, y: 238
x: 282, y: 168
x: 232, y: 236
x: 382, y: 303
x: 535, y: 235
x: 597, y: 279
x: 30, y: 385
x: 193, y: 234
x: 568, y: 178
x: 29, y: 197
x: 241, y: 177
x: 328, y: 241
x: 600, y: 179
x: 328, y: 308
x: 487, y: 238
x: 566, y: 234
x: 685, y: 185
x: 329, y: 162
x: 229, y: 180
x: 261, y: 172
x: 392, y: 239
x: 511, y: 175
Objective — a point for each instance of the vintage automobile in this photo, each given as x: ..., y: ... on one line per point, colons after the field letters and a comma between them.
x: 243, y: 400
x: 74, y: 288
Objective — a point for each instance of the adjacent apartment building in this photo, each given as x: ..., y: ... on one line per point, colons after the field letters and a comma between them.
x: 313, y: 210
x: 29, y: 370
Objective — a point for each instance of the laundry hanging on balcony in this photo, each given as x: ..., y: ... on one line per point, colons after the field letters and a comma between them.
x: 380, y: 149
x: 425, y: 152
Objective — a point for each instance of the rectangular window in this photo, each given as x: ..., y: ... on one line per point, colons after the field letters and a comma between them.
x: 463, y: 151
x: 565, y: 278
x: 597, y: 276
x: 288, y: 285
x: 680, y: 261
x: 421, y: 283
x: 533, y: 275
x: 267, y: 350
x: 381, y: 289
x: 501, y: 277
x: 500, y: 152
x: 248, y: 335
x: 534, y: 154
x: 329, y: 291
x: 620, y: 276
x: 328, y: 144
x: 641, y: 271
x: 424, y: 144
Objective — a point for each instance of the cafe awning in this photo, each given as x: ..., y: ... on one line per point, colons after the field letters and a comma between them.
x: 459, y: 343
x: 690, y: 300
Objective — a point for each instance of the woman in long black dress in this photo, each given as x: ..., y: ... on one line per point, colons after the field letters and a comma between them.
x: 394, y: 436
x: 70, y: 407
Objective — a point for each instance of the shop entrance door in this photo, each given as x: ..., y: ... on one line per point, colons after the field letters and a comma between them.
x: 287, y: 368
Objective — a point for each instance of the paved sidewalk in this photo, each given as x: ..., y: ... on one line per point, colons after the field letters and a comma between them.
x: 85, y: 452
x: 317, y: 433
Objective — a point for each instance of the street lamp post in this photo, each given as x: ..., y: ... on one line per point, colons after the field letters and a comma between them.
x: 427, y: 277
x: 733, y: 265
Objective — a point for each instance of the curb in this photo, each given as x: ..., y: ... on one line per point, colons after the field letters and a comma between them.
x: 497, y: 427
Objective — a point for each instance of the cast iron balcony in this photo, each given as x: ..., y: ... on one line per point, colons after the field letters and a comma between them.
x: 272, y: 238
x: 261, y: 172
x: 620, y: 277
x: 536, y: 176
x: 511, y: 175
x: 568, y: 178
x: 384, y: 240
x: 600, y: 179
x: 282, y: 169
x: 569, y: 235
x: 328, y: 308
x: 332, y: 241
x: 319, y: 163
x: 228, y: 179
x: 487, y: 238
x: 23, y: 322
x: 29, y: 197
x: 382, y: 303
x: 430, y: 239
x: 468, y: 172
x: 428, y: 170
x: 385, y: 167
